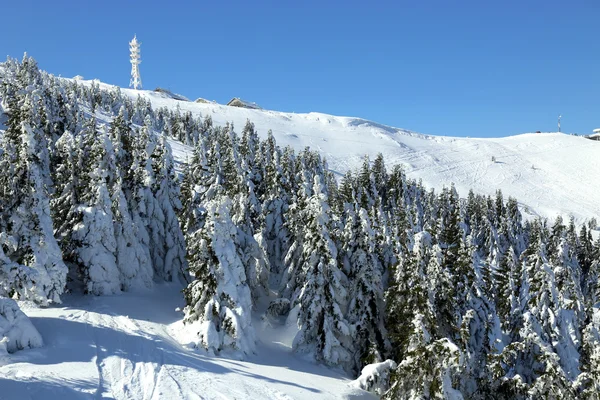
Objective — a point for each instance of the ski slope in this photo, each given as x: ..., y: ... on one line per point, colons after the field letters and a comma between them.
x: 125, y: 347
x: 550, y: 174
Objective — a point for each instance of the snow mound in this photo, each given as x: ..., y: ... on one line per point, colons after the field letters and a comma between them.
x: 16, y: 330
x: 375, y: 378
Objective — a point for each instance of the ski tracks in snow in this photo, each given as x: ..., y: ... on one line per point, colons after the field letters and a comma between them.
x: 137, y: 358
x: 128, y: 347
x: 130, y: 363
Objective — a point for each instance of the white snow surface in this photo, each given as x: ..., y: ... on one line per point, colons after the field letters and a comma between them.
x: 124, y: 347
x: 549, y: 174
x: 375, y: 377
x: 16, y: 330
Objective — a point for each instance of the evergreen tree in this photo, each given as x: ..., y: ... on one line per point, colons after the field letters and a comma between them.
x: 430, y: 369
x: 94, y: 233
x: 167, y: 241
x: 322, y: 299
x: 218, y: 299
x: 131, y: 255
x: 588, y: 382
x: 408, y: 296
x: 275, y: 203
x: 136, y: 187
x: 528, y: 368
x: 585, y: 250
x: 24, y: 198
x: 365, y: 311
x: 508, y: 300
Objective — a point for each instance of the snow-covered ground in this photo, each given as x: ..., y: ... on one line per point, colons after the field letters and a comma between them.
x: 549, y: 173
x: 124, y: 347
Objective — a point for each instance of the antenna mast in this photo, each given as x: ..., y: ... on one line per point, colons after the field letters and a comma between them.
x: 559, y: 117
x: 134, y: 49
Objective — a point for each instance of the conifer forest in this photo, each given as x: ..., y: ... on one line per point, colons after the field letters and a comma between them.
x: 416, y: 293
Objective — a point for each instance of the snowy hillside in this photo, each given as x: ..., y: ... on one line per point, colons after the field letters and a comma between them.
x: 549, y: 173
x: 256, y: 274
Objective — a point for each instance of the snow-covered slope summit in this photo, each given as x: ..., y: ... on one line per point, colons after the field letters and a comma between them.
x: 549, y: 173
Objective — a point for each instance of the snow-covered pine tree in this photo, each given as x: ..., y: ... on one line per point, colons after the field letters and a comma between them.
x: 367, y: 191
x: 366, y: 307
x: 407, y: 296
x: 431, y: 367
x: 250, y: 154
x: 588, y: 382
x: 542, y: 336
x: 585, y: 250
x: 219, y: 303
x: 380, y: 178
x: 251, y: 246
x: 132, y: 258
x: 132, y: 255
x: 275, y: 202
x: 94, y: 233
x: 292, y: 277
x: 198, y: 185
x: 443, y: 265
x: 322, y: 300
x: 369, y: 183
x: 399, y: 219
x: 571, y: 313
x: 230, y: 172
x: 137, y: 179
x: 24, y: 198
x: 121, y: 137
x: 508, y: 305
x: 167, y: 241
x: 65, y: 200
x: 476, y: 318
x: 17, y: 280
x: 528, y: 368
x: 239, y: 178
x: 591, y: 283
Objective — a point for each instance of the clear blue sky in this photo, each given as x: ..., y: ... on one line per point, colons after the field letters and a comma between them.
x: 448, y: 67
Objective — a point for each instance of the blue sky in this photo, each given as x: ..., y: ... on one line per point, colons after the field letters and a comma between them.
x: 448, y: 67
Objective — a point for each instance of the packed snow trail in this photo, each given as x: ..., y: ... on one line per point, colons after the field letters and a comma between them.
x: 120, y: 347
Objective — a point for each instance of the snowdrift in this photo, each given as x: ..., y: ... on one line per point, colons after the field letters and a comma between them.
x: 16, y: 330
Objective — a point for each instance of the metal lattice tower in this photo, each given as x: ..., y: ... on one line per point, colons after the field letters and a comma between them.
x: 559, y: 117
x: 134, y: 49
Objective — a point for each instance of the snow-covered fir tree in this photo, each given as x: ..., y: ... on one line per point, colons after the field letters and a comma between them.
x: 322, y: 298
x: 167, y: 241
x: 94, y: 233
x: 24, y: 196
x: 366, y: 306
x: 219, y: 303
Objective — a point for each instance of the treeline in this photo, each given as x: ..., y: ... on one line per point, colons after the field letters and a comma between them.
x: 469, y: 300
